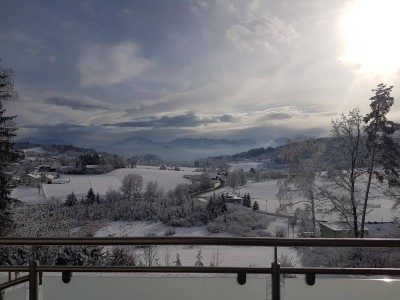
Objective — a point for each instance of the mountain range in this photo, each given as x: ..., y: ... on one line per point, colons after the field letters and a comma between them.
x: 181, y: 149
x: 185, y: 143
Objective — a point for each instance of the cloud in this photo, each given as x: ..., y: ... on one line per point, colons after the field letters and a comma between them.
x: 20, y: 39
x: 76, y: 103
x: 239, y: 35
x: 186, y: 120
x: 105, y: 65
x: 279, y: 116
x: 258, y: 32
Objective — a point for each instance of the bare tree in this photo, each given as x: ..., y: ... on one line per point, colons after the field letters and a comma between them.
x: 132, y: 186
x: 153, y: 191
x: 150, y: 256
x: 303, y: 158
x: 341, y: 193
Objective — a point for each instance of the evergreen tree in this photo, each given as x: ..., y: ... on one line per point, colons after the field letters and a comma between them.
x: 247, y: 200
x: 90, y: 197
x: 7, y: 134
x: 98, y: 198
x: 71, y: 199
x: 255, y: 206
x: 382, y: 149
x: 216, y: 206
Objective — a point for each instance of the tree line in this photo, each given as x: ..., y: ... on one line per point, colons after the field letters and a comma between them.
x: 364, y: 157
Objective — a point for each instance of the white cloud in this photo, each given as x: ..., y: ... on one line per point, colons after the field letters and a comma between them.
x: 238, y: 34
x: 106, y: 65
x: 254, y: 28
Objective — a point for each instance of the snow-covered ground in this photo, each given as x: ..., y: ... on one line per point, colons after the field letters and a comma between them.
x: 167, y: 179
x: 227, y: 256
x: 80, y: 184
x: 28, y: 194
x: 265, y: 194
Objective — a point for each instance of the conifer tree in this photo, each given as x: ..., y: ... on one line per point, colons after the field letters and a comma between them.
x: 382, y: 149
x: 255, y: 206
x: 98, y: 198
x: 7, y: 134
x: 71, y: 199
x: 90, y: 197
x: 247, y: 200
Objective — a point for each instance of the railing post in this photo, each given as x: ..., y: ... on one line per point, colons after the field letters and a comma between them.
x: 33, y: 280
x: 276, y: 280
x: 276, y: 277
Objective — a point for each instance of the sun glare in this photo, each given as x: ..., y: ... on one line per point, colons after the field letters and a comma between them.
x: 370, y: 29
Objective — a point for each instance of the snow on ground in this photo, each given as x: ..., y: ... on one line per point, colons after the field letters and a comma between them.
x: 28, y: 194
x: 140, y: 228
x: 167, y: 179
x: 245, y: 166
x: 227, y: 256
x: 265, y: 194
x: 80, y: 184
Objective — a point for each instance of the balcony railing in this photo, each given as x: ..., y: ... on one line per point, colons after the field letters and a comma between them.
x: 275, y: 271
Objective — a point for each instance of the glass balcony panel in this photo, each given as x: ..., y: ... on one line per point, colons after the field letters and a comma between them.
x: 152, y: 287
x: 334, y: 288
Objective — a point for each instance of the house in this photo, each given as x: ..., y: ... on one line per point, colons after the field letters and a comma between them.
x: 231, y: 198
x: 48, y: 178
x: 31, y: 179
x: 51, y: 168
x: 338, y: 230
x: 383, y: 229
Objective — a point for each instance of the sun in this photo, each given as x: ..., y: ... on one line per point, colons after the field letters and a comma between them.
x: 371, y: 33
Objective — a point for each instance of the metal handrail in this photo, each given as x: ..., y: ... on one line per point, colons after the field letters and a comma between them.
x: 275, y: 270
x: 203, y: 241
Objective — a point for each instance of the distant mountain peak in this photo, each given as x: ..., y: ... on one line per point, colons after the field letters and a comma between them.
x: 44, y: 141
x: 206, y: 142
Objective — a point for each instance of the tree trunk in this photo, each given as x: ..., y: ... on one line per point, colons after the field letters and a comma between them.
x: 313, y: 212
x: 370, y: 170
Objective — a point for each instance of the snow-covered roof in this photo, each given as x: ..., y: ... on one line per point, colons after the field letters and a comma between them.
x: 383, y: 229
x: 36, y: 176
x: 92, y: 166
x: 340, y: 226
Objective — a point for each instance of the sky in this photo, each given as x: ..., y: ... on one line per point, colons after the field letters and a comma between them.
x: 97, y: 72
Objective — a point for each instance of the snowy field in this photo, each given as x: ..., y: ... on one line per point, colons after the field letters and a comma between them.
x: 227, y: 256
x: 27, y: 194
x: 265, y: 194
x: 167, y: 179
x: 262, y: 192
x: 80, y: 184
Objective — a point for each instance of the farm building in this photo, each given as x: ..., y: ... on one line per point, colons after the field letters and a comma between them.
x: 383, y: 229
x: 31, y: 179
x: 338, y: 230
x: 231, y: 198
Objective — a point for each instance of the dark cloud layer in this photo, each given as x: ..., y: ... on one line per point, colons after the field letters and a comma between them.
x: 187, y: 120
x: 76, y: 104
x: 279, y: 116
